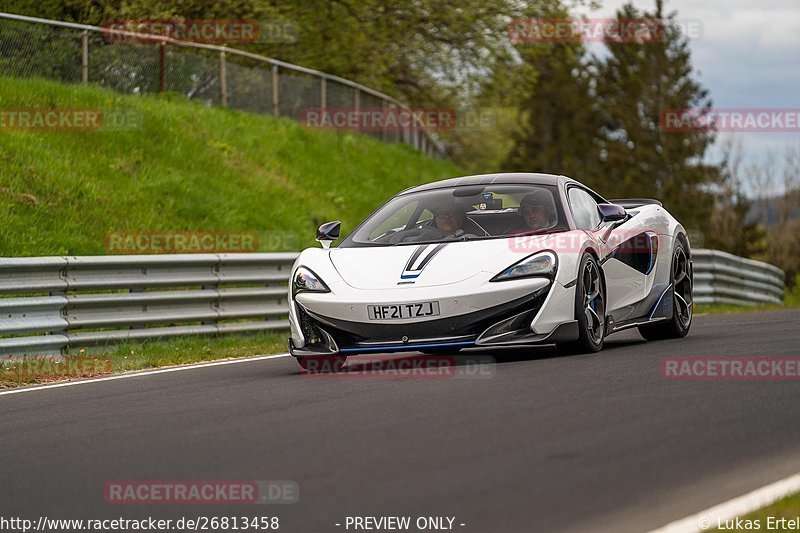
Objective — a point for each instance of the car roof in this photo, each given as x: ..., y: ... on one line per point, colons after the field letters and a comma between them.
x: 527, y: 178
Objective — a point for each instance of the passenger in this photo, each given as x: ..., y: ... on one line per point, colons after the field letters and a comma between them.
x: 537, y: 212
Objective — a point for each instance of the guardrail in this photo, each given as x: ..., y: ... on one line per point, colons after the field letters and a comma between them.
x: 720, y: 277
x: 60, y: 302
x: 55, y: 303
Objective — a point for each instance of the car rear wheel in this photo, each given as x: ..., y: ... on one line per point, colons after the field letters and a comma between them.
x: 682, y: 301
x: 322, y: 364
x: 590, y: 309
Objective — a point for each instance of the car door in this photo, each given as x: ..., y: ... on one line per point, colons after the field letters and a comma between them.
x: 625, y: 258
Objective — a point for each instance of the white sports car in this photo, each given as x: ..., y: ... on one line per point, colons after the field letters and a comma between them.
x: 492, y: 260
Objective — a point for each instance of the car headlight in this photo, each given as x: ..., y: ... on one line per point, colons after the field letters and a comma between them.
x: 538, y: 264
x: 305, y: 280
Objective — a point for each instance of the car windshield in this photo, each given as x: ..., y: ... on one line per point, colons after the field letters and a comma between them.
x: 463, y: 213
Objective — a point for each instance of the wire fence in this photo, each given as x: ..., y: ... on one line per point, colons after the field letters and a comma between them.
x: 139, y: 63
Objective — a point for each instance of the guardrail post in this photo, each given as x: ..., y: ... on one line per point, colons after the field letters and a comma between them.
x: 276, y: 109
x: 223, y: 80
x: 323, y: 93
x: 357, y: 100
x: 139, y: 290
x: 162, y: 67
x: 85, y: 57
x: 383, y: 113
x: 214, y: 305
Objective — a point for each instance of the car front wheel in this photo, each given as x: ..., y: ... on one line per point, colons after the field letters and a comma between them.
x: 590, y: 309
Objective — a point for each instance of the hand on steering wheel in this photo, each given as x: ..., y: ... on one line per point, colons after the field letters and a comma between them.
x: 406, y: 235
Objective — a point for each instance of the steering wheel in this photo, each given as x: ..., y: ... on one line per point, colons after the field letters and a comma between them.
x: 423, y: 234
x: 460, y: 235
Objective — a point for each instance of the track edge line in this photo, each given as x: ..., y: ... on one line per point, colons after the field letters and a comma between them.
x: 140, y: 373
x: 732, y: 508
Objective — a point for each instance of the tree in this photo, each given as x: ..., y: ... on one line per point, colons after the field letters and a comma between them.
x: 637, y: 84
x: 416, y: 51
x: 783, y: 237
x: 730, y: 229
x: 558, y: 114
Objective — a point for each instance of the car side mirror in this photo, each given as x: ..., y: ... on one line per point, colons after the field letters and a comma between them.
x: 612, y: 212
x: 328, y: 232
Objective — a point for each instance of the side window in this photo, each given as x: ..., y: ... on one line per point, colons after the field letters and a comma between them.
x: 426, y: 217
x: 584, y: 209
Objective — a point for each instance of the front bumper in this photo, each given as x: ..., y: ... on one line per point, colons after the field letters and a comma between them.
x: 506, y: 324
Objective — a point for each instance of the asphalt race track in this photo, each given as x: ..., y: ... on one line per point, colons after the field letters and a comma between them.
x: 535, y: 442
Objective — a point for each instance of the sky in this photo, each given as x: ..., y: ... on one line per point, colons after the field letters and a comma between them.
x: 747, y: 53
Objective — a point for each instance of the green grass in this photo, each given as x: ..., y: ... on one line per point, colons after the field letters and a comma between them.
x: 788, y: 508
x: 186, y: 167
x: 138, y: 356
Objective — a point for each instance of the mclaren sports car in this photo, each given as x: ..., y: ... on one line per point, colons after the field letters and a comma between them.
x: 512, y: 259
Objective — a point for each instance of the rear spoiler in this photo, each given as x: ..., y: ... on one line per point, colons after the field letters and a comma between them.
x: 631, y: 203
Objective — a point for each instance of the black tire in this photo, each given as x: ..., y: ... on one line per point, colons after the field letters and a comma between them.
x: 590, y: 309
x: 322, y: 364
x: 679, y: 324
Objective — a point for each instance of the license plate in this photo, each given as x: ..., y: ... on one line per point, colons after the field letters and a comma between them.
x: 401, y: 311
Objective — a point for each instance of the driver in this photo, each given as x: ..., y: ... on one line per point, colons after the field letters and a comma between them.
x: 449, y: 218
x: 537, y: 210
